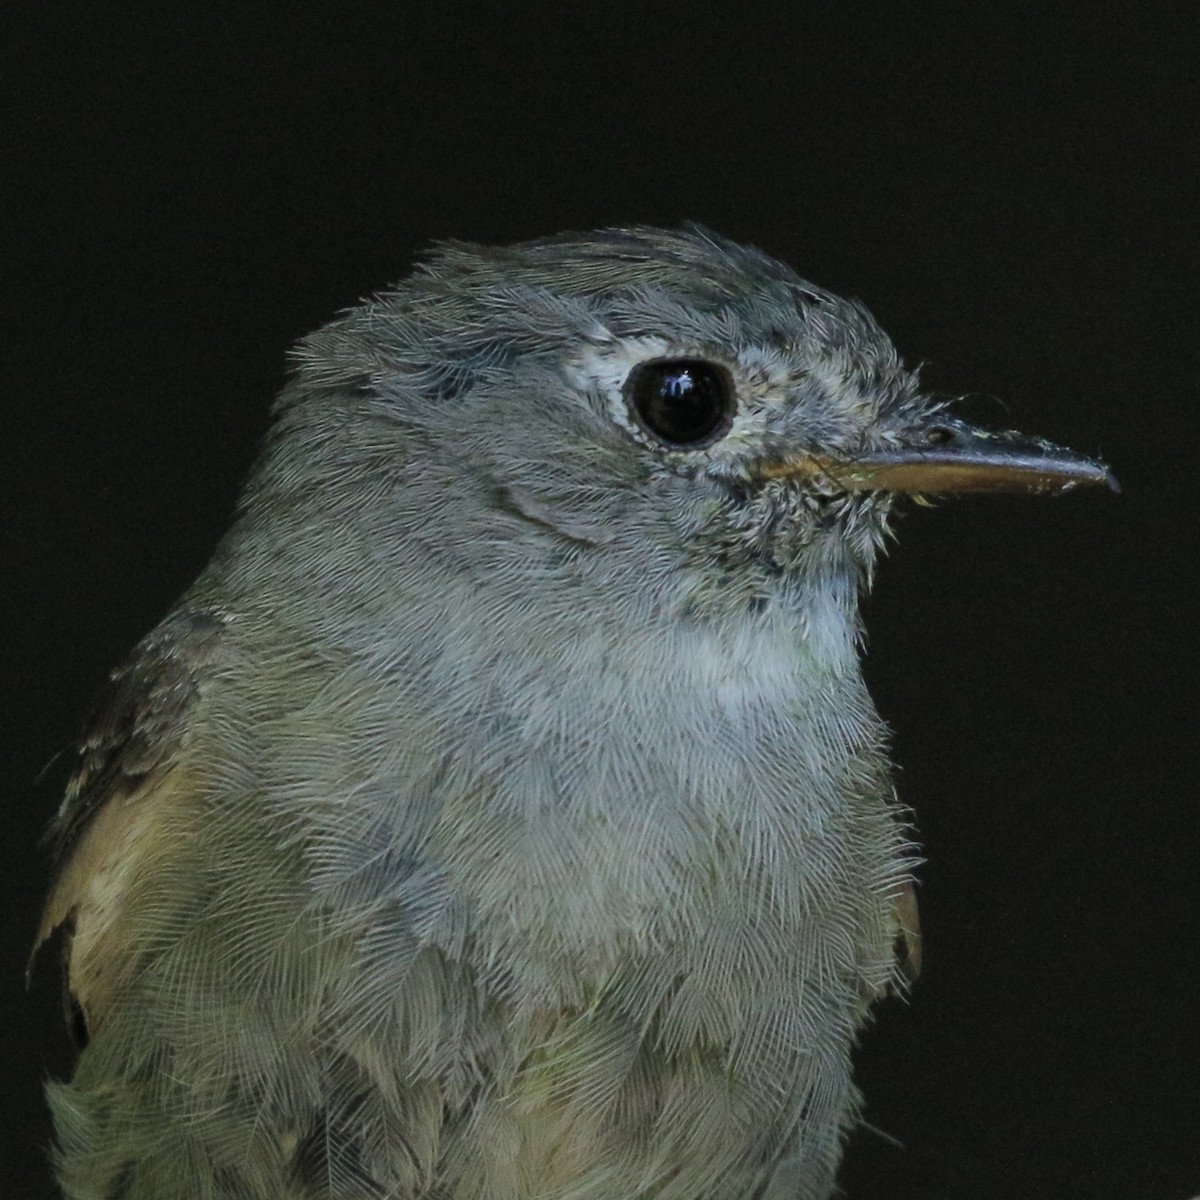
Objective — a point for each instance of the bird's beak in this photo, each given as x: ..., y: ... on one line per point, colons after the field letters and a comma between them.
x: 949, y: 455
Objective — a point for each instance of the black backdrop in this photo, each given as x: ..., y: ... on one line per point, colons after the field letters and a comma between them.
x: 1011, y: 189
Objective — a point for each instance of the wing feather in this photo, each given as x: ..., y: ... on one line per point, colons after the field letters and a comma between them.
x: 128, y: 779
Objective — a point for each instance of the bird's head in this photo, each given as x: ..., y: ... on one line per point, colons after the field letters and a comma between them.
x: 687, y: 404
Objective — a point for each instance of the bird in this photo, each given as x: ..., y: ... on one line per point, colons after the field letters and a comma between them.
x: 502, y: 813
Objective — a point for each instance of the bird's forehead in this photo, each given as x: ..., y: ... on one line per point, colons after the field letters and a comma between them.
x: 690, y: 260
x: 685, y: 284
x: 601, y: 303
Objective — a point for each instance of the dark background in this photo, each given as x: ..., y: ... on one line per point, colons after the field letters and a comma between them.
x: 1010, y: 188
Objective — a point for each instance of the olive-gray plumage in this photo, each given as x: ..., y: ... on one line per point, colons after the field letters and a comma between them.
x: 502, y: 814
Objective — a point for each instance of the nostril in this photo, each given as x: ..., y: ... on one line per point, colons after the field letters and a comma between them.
x: 939, y: 435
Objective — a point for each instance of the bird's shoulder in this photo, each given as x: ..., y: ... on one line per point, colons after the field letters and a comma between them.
x: 128, y: 778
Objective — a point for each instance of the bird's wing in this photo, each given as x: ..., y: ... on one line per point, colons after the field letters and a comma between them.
x: 127, y: 780
x: 908, y: 932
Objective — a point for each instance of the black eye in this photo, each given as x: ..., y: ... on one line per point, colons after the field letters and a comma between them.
x: 682, y: 401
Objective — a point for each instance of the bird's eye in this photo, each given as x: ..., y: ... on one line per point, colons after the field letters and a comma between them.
x: 684, y: 402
